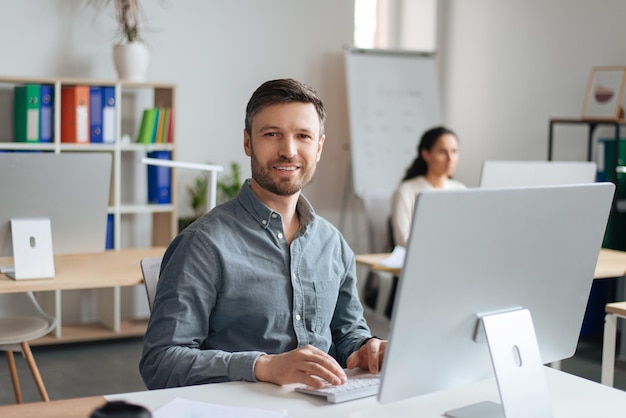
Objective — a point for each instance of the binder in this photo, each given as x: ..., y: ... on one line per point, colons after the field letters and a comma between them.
x: 108, y: 115
x: 155, y: 127
x: 46, y: 113
x: 170, y: 128
x: 159, y: 126
x: 147, y: 126
x: 26, y: 107
x: 75, y: 114
x: 606, y: 164
x: 95, y: 114
x: 167, y: 121
x: 110, y: 237
x: 159, y: 179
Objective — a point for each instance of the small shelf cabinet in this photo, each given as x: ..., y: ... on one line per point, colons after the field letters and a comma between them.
x: 136, y: 222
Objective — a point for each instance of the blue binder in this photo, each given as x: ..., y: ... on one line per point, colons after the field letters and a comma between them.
x: 95, y: 114
x: 110, y: 237
x: 159, y: 179
x: 46, y: 113
x: 108, y: 114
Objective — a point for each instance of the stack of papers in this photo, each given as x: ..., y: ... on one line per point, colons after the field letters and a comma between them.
x: 185, y: 408
x: 395, y: 259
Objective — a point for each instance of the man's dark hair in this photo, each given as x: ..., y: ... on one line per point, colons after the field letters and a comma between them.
x: 283, y: 91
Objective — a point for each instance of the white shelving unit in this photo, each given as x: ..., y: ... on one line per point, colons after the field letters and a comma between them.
x: 136, y: 222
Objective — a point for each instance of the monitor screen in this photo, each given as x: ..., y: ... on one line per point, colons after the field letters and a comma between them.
x: 480, y: 251
x: 71, y: 189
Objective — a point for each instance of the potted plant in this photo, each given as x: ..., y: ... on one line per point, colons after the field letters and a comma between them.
x: 227, y: 188
x: 197, y: 193
x: 130, y: 53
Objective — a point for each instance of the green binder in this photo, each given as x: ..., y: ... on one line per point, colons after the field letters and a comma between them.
x: 607, y: 155
x: 615, y: 236
x: 26, y: 108
x: 146, y: 130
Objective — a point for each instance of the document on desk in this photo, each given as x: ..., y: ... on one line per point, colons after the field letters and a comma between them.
x: 180, y: 407
x: 395, y: 259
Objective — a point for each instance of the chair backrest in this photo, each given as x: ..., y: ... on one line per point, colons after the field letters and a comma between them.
x: 150, y: 268
x: 24, y: 304
x: 377, y: 207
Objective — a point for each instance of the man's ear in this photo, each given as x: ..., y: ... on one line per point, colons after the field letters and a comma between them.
x: 246, y: 142
x: 320, y: 146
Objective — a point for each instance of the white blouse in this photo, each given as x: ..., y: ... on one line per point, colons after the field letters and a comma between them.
x: 403, y: 204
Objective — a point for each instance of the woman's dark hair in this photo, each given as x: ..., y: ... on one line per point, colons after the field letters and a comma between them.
x: 419, y: 166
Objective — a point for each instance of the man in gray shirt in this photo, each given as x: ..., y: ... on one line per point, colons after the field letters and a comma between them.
x: 261, y: 288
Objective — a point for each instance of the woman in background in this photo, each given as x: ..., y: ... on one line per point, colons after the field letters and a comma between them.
x: 437, y: 158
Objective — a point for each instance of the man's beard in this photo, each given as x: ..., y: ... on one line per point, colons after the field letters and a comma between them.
x: 285, y: 186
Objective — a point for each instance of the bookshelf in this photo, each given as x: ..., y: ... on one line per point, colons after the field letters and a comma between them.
x: 136, y: 222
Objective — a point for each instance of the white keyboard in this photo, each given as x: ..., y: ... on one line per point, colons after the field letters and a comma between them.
x: 356, y: 387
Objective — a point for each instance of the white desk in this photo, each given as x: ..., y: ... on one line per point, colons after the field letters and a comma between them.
x: 571, y: 397
x: 610, y: 264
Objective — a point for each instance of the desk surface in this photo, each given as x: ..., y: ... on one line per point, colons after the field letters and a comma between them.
x: 86, y: 271
x: 611, y: 263
x: 571, y: 397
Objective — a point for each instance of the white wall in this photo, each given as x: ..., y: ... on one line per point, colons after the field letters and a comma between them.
x: 510, y: 66
x: 507, y: 67
x: 217, y: 52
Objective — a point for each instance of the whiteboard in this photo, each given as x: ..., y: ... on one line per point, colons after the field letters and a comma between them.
x: 393, y: 97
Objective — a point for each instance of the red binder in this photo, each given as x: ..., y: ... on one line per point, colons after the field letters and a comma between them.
x: 75, y: 114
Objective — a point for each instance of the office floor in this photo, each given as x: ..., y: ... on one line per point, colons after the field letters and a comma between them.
x: 98, y: 368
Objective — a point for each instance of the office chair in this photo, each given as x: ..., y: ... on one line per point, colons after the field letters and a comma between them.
x: 377, y: 206
x: 150, y: 268
x: 22, y: 320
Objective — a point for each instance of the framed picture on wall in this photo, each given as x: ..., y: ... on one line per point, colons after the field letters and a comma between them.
x: 605, y: 94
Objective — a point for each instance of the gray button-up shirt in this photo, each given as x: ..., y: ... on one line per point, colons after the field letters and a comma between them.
x: 231, y: 288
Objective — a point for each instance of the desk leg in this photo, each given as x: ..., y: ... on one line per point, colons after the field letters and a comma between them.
x: 50, y: 302
x: 109, y: 305
x: 58, y: 313
x: 608, y: 349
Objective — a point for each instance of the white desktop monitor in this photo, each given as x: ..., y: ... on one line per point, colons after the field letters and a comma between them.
x: 479, y: 251
x: 536, y: 173
x: 71, y: 189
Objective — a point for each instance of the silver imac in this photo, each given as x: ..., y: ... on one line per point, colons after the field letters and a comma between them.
x: 494, y: 281
x: 71, y: 189
x: 536, y: 173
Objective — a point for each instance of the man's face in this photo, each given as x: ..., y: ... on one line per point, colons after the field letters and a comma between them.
x: 284, y: 147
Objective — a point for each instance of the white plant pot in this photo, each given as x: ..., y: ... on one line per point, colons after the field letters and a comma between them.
x: 131, y: 61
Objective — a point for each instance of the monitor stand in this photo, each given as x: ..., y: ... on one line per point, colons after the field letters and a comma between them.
x: 32, y: 249
x: 517, y: 366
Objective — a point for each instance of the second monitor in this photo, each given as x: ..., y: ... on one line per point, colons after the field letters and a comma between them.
x: 70, y: 189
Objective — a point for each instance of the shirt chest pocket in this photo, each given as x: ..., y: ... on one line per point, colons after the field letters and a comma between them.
x: 326, y: 294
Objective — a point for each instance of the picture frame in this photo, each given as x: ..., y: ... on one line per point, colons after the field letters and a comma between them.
x: 605, y: 94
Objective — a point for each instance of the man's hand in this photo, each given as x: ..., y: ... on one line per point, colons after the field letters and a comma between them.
x: 306, y: 365
x: 369, y: 356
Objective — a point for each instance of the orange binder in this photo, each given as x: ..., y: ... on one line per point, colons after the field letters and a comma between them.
x: 75, y: 114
